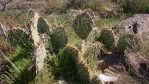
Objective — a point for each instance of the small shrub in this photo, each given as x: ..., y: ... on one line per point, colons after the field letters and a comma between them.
x: 12, y: 75
x: 143, y: 43
x: 92, y: 35
x: 93, y: 4
x: 58, y: 5
x: 20, y: 57
x: 128, y: 41
x: 106, y: 8
x: 17, y: 37
x: 135, y: 6
x: 91, y: 53
x: 90, y: 57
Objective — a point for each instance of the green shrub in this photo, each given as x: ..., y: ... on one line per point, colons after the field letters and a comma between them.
x: 59, y: 38
x: 91, y: 54
x: 93, y: 4
x: 90, y: 57
x: 82, y: 25
x: 17, y: 37
x: 21, y: 59
x: 92, y: 35
x: 128, y: 41
x: 135, y: 6
x: 56, y: 5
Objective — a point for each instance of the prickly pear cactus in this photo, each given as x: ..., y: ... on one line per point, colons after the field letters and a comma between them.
x: 38, y: 44
x: 59, y: 38
x: 106, y: 37
x: 68, y: 64
x: 82, y: 25
x: 42, y: 26
x: 82, y: 73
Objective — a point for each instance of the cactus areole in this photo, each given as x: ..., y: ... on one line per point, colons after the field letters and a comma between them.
x: 82, y: 25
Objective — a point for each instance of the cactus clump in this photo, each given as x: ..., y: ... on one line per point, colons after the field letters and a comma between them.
x: 59, y: 38
x: 82, y: 25
x: 42, y: 26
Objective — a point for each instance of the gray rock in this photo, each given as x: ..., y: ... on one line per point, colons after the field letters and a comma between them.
x: 138, y: 24
x: 1, y: 7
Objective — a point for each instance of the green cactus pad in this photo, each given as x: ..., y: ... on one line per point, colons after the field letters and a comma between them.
x: 106, y: 37
x: 42, y: 26
x: 82, y: 25
x: 59, y: 38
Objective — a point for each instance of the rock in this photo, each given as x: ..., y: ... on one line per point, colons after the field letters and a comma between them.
x: 1, y: 7
x: 4, y: 1
x: 3, y: 4
x: 135, y: 30
x: 137, y: 24
x: 107, y: 78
